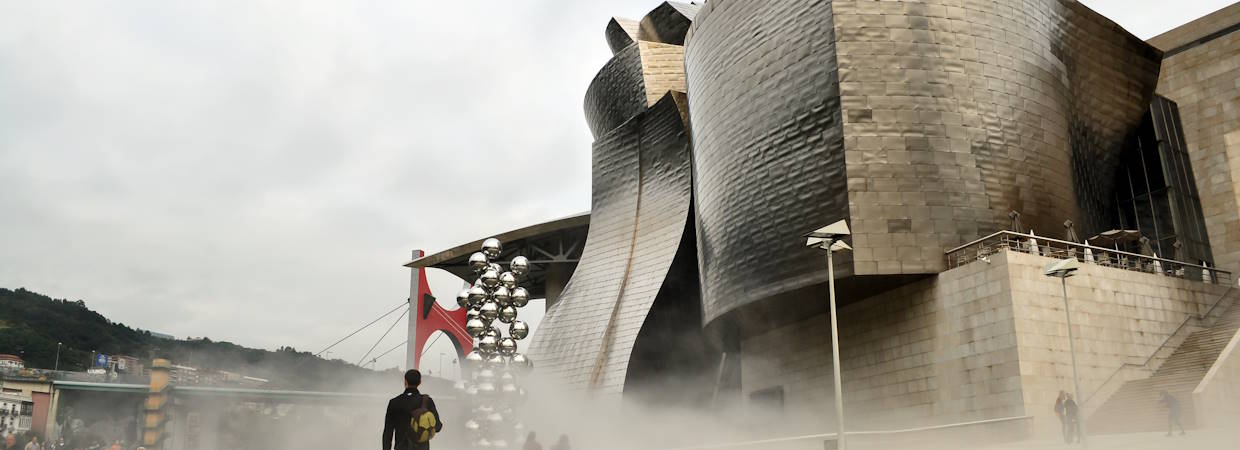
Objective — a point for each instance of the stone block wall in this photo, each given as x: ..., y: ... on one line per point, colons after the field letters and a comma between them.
x: 1118, y: 316
x: 1204, y: 80
x: 981, y: 341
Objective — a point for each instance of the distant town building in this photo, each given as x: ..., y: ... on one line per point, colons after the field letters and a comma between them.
x: 11, y: 362
x: 127, y: 364
x: 16, y: 412
x: 162, y: 335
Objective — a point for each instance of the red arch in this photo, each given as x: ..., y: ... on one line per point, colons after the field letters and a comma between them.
x: 429, y: 317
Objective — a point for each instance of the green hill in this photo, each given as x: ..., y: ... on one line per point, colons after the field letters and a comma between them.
x: 31, y: 324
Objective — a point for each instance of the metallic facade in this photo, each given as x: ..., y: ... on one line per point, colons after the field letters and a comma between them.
x: 639, y: 251
x: 923, y: 123
x: 640, y: 208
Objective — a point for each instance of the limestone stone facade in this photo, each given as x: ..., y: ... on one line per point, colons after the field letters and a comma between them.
x: 1201, y: 73
x: 981, y: 341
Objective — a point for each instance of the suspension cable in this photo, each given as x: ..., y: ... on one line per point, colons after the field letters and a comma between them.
x: 385, y: 334
x: 359, y: 330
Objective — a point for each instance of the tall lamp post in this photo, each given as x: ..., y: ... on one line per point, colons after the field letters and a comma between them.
x: 1063, y: 269
x: 829, y: 238
x: 57, y: 367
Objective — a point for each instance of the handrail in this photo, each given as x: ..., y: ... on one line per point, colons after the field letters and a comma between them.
x: 859, y: 433
x: 1075, y: 244
x: 1164, y: 343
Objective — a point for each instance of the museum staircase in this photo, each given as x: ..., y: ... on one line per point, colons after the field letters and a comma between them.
x: 1135, y: 408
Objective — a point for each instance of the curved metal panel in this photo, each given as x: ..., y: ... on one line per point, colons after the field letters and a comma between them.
x: 617, y: 93
x: 948, y: 117
x: 621, y: 33
x: 768, y: 147
x: 667, y: 23
x: 640, y: 209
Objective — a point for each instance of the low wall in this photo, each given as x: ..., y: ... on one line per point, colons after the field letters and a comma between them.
x: 981, y: 341
x: 1217, y: 398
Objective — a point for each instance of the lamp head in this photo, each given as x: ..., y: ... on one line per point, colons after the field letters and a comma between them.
x: 828, y: 237
x: 1061, y: 269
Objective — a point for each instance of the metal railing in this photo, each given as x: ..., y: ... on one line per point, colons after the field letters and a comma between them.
x: 982, y: 248
x: 832, y: 436
x: 1178, y: 333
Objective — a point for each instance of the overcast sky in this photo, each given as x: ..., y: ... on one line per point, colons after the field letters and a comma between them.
x: 258, y: 171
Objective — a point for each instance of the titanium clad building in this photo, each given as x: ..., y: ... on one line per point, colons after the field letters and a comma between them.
x: 966, y: 142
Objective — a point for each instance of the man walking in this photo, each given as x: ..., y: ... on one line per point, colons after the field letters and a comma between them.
x: 397, y: 424
x: 1173, y: 412
x: 1073, y: 416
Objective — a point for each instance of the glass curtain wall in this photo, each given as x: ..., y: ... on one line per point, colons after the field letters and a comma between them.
x: 1156, y: 192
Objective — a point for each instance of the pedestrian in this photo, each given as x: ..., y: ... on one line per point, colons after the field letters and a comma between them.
x: 1063, y: 418
x: 562, y: 444
x: 1073, y: 416
x: 400, y: 414
x: 34, y: 444
x: 116, y: 446
x: 1173, y: 412
x: 531, y: 442
x: 60, y: 444
x: 10, y: 442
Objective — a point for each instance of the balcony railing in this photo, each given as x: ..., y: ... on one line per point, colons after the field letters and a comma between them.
x: 1054, y: 248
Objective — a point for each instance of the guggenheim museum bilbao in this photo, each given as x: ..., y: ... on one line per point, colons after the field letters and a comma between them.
x: 967, y: 144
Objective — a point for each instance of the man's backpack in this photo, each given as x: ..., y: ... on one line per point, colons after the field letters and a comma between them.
x: 423, y: 423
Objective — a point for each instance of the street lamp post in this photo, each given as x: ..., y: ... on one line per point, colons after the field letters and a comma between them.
x: 1063, y: 269
x: 829, y: 238
x: 57, y: 366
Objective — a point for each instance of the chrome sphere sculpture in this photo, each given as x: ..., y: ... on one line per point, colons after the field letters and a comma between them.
x: 491, y: 248
x: 495, y: 299
x: 478, y: 261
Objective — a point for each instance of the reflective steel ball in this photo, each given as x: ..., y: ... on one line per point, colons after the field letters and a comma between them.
x: 519, y: 266
x: 508, y: 390
x: 477, y: 293
x: 472, y: 425
x: 462, y: 298
x: 482, y: 443
x: 518, y: 330
x: 496, y: 361
x: 490, y: 278
x: 497, y: 268
x: 519, y: 296
x: 474, y: 358
x: 488, y: 311
x: 508, y: 314
x: 507, y: 346
x: 471, y: 314
x: 495, y: 419
x: 501, y: 296
x: 499, y: 443
x: 521, y: 362
x: 492, y: 332
x: 461, y: 385
x: 488, y: 344
x: 508, y: 280
x: 475, y: 327
x: 486, y: 389
x: 479, y: 262
x: 485, y: 374
x: 491, y: 247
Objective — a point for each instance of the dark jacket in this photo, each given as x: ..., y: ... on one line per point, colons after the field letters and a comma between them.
x: 399, y: 414
x: 1070, y: 410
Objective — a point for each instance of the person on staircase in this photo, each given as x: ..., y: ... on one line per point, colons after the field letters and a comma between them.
x: 1072, y: 416
x: 1063, y: 417
x: 1173, y: 412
